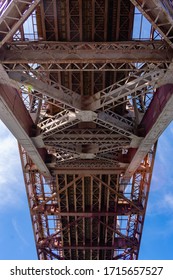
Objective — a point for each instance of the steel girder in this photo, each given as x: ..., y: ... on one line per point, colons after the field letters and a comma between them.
x: 160, y: 15
x: 12, y: 17
x: 100, y: 88
x: 49, y: 88
x: 132, y: 85
x: 61, y: 53
x: 76, y: 68
x: 13, y: 113
x: 80, y: 227
x: 157, y: 122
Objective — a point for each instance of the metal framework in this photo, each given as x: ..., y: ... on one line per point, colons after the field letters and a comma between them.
x: 87, y: 104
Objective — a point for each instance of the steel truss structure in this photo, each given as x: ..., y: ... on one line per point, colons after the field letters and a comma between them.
x: 87, y: 104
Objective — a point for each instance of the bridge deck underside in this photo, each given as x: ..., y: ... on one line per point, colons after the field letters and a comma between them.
x: 87, y: 86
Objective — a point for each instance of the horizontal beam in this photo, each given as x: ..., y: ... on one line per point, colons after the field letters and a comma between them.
x: 76, y: 67
x: 80, y: 165
x: 15, y: 116
x: 51, y: 209
x: 84, y: 139
x: 84, y: 171
x: 92, y: 134
x: 84, y: 247
x: 78, y: 52
x: 119, y: 243
x: 156, y: 119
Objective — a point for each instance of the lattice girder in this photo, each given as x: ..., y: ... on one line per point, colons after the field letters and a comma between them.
x: 88, y: 89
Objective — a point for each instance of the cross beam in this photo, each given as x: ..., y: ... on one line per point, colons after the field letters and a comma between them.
x: 51, y: 209
x: 116, y: 123
x: 119, y: 243
x: 132, y: 85
x: 49, y: 88
x: 85, y: 52
x: 57, y: 123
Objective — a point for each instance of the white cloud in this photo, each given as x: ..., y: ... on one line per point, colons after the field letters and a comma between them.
x: 161, y: 204
x: 163, y: 175
x: 168, y: 201
x: 11, y: 180
x: 19, y: 232
x: 161, y: 190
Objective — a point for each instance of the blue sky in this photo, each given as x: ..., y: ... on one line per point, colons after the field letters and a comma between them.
x: 157, y: 241
x: 17, y: 241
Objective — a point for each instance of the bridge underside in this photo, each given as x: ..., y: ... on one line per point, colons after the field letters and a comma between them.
x: 87, y: 104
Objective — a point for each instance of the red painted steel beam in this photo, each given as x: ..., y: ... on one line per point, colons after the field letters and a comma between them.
x: 120, y: 243
x: 156, y: 119
x: 52, y: 209
x: 113, y: 169
x: 15, y: 116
